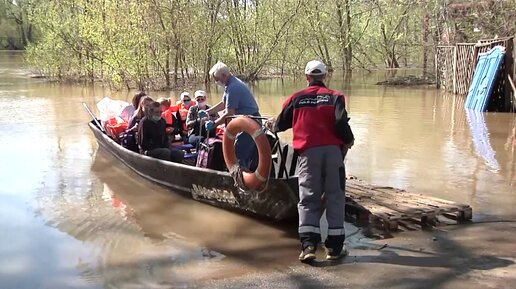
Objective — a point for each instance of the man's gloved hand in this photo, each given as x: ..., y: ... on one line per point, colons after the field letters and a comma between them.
x: 269, y: 124
x: 202, y: 114
x: 209, y: 125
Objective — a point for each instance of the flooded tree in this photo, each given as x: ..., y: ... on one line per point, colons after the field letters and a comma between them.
x: 160, y: 44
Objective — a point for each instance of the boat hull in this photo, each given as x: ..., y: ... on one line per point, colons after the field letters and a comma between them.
x: 278, y: 201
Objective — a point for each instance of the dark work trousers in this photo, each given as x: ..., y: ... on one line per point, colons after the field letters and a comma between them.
x: 195, y: 140
x: 321, y: 170
x: 166, y: 154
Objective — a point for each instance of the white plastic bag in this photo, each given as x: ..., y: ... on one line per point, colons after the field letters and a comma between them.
x: 109, y: 108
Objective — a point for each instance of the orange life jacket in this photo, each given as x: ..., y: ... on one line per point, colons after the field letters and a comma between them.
x: 183, y: 112
x: 167, y: 115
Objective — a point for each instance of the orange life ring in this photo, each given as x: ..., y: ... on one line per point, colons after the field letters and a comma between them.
x: 252, y: 180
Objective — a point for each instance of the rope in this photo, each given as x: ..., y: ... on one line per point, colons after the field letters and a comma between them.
x: 238, y: 177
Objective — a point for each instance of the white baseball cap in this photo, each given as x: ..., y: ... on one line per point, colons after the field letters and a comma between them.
x: 315, y: 67
x: 200, y: 93
x: 185, y: 94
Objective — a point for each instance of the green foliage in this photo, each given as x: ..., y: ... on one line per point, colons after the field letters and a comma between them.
x: 15, y: 30
x: 158, y: 43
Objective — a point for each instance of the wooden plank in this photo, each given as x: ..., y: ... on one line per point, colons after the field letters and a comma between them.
x: 403, y: 209
x: 405, y: 194
x: 409, y: 226
x: 391, y: 208
x: 404, y: 197
x: 430, y: 202
x: 400, y: 206
x: 377, y: 209
x: 383, y: 201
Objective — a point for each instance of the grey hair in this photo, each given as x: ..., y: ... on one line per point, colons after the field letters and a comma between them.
x: 219, y: 69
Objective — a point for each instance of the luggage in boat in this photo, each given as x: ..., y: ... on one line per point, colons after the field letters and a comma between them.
x: 210, y: 155
x: 115, y: 126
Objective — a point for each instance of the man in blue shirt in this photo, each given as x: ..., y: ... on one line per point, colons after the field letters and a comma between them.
x: 237, y: 100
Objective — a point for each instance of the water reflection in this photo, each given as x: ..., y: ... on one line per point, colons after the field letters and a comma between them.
x: 160, y: 212
x: 480, y: 136
x: 125, y: 254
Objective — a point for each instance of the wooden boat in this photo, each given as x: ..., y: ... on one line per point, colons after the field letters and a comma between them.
x: 278, y: 201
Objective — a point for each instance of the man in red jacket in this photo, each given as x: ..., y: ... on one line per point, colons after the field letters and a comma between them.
x: 318, y: 118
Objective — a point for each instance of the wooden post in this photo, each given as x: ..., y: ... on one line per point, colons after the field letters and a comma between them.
x: 514, y: 56
x: 509, y: 68
x: 455, y: 70
x: 436, y: 67
x: 509, y: 80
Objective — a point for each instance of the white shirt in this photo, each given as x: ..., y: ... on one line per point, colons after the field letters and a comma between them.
x: 127, y: 113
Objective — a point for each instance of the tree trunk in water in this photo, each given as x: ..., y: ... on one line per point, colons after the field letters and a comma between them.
x: 425, y: 43
x: 181, y: 65
x: 29, y: 33
x: 207, y: 65
x: 349, y: 51
x: 392, y: 62
x: 184, y: 66
x: 323, y: 45
x: 167, y: 67
x: 342, y: 36
x: 23, y: 35
x: 176, y: 65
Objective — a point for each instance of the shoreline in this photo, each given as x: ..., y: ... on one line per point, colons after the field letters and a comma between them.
x: 475, y: 255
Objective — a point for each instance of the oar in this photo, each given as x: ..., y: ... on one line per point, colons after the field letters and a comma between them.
x: 93, y: 116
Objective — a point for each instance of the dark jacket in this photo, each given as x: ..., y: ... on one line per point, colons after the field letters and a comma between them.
x: 192, y: 121
x: 129, y: 141
x: 317, y: 116
x: 151, y: 135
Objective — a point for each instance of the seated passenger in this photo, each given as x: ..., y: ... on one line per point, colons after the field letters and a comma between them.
x: 183, y: 105
x: 152, y: 139
x: 165, y: 104
x: 129, y: 140
x: 174, y: 126
x: 196, y: 130
x: 129, y: 110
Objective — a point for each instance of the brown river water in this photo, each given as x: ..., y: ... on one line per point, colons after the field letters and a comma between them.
x: 71, y: 216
